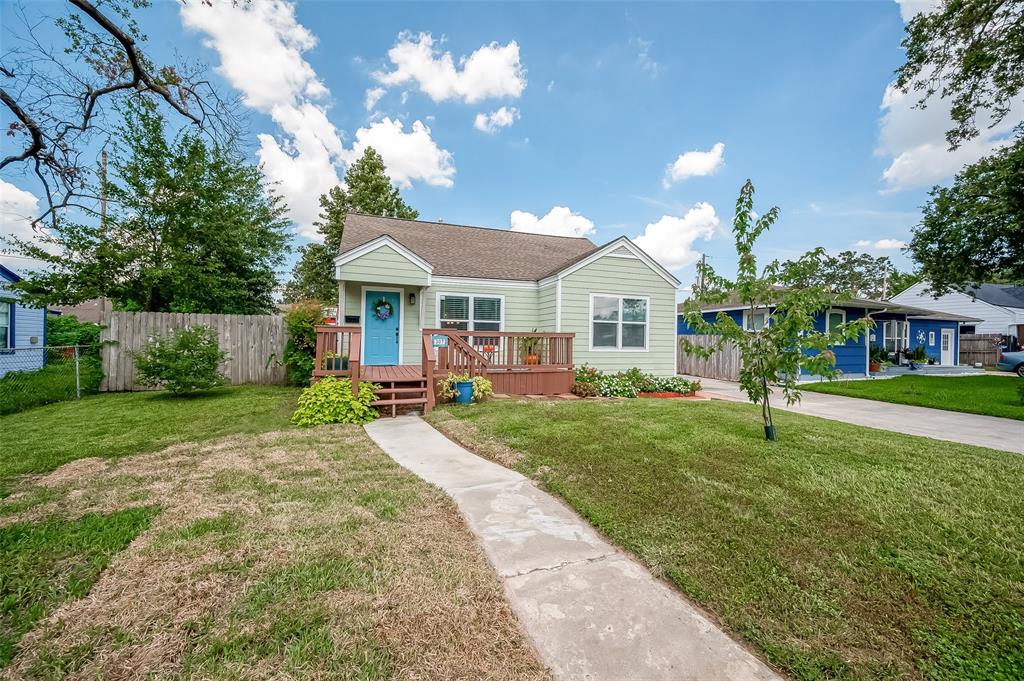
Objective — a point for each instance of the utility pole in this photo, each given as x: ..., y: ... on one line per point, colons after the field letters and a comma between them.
x: 103, y: 191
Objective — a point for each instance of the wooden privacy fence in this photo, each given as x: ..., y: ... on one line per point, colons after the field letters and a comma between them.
x: 980, y: 347
x: 723, y: 365
x: 254, y: 343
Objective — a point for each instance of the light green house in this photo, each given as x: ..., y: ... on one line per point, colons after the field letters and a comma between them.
x: 397, y: 277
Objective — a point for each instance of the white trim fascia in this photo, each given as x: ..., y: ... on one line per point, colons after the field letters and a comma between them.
x: 618, y: 332
x: 489, y: 283
x: 471, y: 296
x: 606, y: 251
x: 867, y: 347
x: 421, y: 304
x: 401, y: 318
x: 558, y: 306
x: 380, y: 242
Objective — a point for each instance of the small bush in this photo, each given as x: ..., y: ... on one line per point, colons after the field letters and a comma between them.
x: 590, y: 383
x: 482, y: 389
x: 67, y: 330
x: 184, y: 362
x: 584, y: 389
x: 330, y: 400
x: 300, y: 350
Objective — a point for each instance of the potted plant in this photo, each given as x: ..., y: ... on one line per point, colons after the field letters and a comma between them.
x: 877, y: 357
x: 462, y: 389
x: 335, y: 362
x: 531, y: 346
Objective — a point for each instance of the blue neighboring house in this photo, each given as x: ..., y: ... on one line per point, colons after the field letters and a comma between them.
x: 898, y: 329
x: 22, y: 329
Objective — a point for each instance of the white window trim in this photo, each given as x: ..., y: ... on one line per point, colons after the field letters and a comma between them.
x: 471, y: 296
x: 7, y: 342
x: 831, y: 311
x: 401, y: 318
x: 905, y: 335
x: 618, y: 324
x: 746, y: 316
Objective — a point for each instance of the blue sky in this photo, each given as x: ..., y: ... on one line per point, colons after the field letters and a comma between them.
x: 603, y: 100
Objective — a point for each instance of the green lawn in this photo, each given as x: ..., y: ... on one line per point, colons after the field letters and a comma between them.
x: 53, y: 561
x: 839, y: 551
x: 117, y: 424
x: 990, y: 395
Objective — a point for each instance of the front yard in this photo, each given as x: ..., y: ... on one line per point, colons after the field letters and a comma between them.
x: 839, y: 551
x: 988, y: 395
x: 214, y: 541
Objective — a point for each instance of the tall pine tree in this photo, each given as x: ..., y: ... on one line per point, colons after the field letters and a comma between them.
x: 368, y: 189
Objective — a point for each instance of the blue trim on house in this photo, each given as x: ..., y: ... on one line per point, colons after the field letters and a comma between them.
x: 8, y: 274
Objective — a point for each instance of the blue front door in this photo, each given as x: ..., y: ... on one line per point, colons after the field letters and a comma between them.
x: 382, y: 335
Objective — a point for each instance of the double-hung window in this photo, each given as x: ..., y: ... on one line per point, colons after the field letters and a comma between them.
x: 833, y: 319
x: 896, y: 335
x: 5, y: 325
x: 469, y: 312
x: 618, y: 322
x: 755, y: 320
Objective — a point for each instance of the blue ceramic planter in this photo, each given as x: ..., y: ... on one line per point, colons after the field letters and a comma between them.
x: 465, y: 390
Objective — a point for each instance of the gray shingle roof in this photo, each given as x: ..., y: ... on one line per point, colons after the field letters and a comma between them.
x: 464, y: 251
x: 1003, y: 295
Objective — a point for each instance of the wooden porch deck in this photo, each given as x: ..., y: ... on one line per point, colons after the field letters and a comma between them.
x: 387, y: 374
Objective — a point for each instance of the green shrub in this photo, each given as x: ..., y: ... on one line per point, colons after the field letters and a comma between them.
x: 300, y: 350
x: 590, y: 383
x: 330, y: 400
x: 67, y: 330
x: 186, y: 361
x: 584, y: 389
x: 482, y: 389
x: 55, y: 382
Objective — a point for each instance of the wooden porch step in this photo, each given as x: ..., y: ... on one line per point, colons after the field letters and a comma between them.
x: 395, y: 391
x: 404, y: 400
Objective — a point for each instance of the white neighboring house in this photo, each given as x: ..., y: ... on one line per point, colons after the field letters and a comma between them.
x: 999, y: 306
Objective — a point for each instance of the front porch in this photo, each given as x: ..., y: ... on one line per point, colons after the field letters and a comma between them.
x: 516, y: 363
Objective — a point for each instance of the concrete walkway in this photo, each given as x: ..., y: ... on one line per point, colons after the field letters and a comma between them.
x: 591, y: 611
x: 968, y: 429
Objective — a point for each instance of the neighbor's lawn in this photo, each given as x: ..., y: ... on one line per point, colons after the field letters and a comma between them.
x: 118, y: 424
x: 840, y: 551
x: 990, y: 395
x: 300, y: 554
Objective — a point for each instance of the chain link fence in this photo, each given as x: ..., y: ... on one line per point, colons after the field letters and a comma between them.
x: 30, y: 377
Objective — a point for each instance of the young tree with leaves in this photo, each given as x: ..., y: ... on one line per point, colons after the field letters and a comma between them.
x: 191, y: 227
x: 789, y: 342
x: 971, y: 52
x: 368, y: 189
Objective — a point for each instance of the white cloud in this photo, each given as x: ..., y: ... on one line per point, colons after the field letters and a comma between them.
x: 261, y: 48
x: 644, y: 60
x: 695, y: 164
x: 18, y: 208
x: 915, y: 138
x: 560, y: 221
x: 491, y: 71
x: 409, y: 156
x: 551, y: 85
x: 670, y: 240
x: 911, y: 8
x: 494, y: 121
x: 373, y: 96
x: 881, y: 244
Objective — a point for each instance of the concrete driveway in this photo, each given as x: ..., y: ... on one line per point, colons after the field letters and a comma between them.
x: 969, y: 429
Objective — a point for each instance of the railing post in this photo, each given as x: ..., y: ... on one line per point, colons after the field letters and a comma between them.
x: 355, y: 345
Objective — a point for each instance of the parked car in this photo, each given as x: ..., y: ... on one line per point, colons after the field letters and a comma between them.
x: 1011, y: 361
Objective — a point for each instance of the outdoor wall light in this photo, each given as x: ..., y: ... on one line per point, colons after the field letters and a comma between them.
x: 412, y: 299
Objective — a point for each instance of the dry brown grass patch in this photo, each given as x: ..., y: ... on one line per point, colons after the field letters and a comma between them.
x: 301, y: 554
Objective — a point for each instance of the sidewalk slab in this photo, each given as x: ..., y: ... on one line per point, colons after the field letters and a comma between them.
x: 591, y: 611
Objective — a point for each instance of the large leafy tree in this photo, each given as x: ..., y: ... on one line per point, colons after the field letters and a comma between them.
x: 776, y: 354
x: 851, y: 273
x: 971, y: 53
x: 367, y: 189
x: 190, y: 227
x: 973, y: 231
